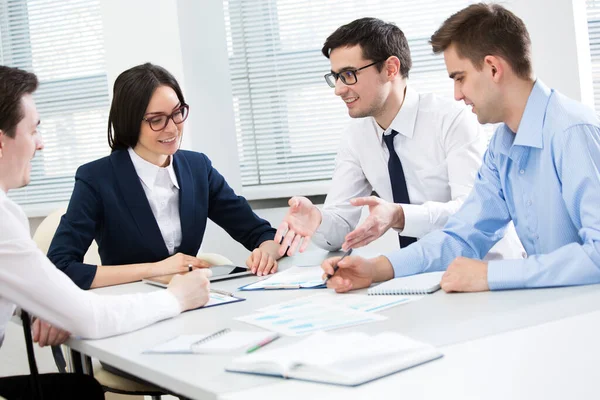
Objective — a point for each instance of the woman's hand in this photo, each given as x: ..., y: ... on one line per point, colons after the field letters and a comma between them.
x: 262, y: 260
x: 178, y: 263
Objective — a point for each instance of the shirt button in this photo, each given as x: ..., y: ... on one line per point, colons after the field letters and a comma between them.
x: 522, y: 171
x: 524, y: 254
x: 529, y: 202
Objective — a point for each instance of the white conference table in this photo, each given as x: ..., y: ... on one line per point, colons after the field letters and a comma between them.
x: 495, y: 344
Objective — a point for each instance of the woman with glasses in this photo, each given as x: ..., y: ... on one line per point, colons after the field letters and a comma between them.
x: 147, y: 204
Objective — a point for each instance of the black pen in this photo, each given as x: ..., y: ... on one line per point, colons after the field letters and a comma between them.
x: 336, y: 266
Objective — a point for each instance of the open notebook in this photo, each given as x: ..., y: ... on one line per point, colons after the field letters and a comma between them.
x: 426, y: 283
x: 348, y: 359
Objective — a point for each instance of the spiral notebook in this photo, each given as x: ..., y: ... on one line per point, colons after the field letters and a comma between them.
x: 426, y: 283
x: 222, y: 341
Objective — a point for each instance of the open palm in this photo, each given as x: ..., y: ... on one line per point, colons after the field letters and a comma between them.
x: 299, y: 224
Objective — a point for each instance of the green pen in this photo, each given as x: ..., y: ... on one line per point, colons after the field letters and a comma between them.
x: 263, y: 343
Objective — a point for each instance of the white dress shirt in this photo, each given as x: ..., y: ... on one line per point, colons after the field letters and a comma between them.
x: 162, y: 190
x: 28, y: 279
x: 441, y: 146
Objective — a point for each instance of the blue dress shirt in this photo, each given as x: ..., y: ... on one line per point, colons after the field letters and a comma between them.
x: 546, y: 179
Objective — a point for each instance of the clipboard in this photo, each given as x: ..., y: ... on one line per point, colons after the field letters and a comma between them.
x: 310, y: 277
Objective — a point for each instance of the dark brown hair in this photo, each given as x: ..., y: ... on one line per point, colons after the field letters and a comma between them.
x: 486, y: 29
x: 379, y: 40
x: 14, y: 84
x: 132, y: 92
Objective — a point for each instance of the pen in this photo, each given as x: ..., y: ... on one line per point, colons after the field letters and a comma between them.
x: 263, y: 343
x: 224, y: 293
x: 336, y: 265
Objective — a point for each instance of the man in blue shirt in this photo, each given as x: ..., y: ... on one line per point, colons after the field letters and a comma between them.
x: 541, y: 171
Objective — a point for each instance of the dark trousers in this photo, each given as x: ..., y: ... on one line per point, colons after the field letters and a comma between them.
x: 54, y: 386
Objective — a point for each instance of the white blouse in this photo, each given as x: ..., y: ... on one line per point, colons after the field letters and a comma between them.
x: 162, y: 190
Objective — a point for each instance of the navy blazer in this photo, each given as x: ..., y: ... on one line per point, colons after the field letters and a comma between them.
x: 109, y: 204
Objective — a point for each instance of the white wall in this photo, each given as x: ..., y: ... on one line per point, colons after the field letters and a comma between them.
x: 559, y: 36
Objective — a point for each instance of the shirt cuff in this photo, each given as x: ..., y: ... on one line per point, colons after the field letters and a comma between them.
x: 416, y: 221
x: 506, y: 274
x: 165, y: 303
x: 268, y: 235
x: 406, y: 261
x: 320, y: 236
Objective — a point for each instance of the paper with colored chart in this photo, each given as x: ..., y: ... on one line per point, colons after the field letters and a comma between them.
x: 292, y: 278
x: 358, y: 302
x: 308, y: 318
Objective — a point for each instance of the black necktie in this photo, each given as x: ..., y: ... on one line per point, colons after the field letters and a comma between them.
x: 399, y: 189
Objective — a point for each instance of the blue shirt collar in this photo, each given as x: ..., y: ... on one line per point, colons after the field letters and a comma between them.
x: 529, y: 133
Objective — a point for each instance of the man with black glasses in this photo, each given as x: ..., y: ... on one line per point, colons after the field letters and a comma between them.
x: 418, y: 152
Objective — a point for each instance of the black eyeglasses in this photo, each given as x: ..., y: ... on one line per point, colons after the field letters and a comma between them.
x: 348, y: 76
x: 158, y: 122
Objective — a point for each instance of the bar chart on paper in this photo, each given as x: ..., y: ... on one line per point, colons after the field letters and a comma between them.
x: 309, y: 318
x: 358, y: 302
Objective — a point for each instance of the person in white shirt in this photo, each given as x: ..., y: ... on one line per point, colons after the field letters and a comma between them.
x: 29, y: 280
x: 419, y: 152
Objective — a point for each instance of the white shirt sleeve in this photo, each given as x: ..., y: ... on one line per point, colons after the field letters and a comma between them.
x: 465, y: 143
x: 339, y: 216
x: 28, y: 279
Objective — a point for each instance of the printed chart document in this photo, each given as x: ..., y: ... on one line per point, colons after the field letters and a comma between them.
x: 218, y: 299
x: 347, y: 359
x: 358, y: 302
x: 212, y: 343
x: 292, y: 278
x: 309, y: 318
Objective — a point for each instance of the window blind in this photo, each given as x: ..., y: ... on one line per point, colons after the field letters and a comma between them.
x: 593, y: 17
x: 62, y: 43
x: 288, y: 121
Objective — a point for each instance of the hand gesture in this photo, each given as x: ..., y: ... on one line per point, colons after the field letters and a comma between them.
x: 299, y: 224
x: 192, y: 289
x: 382, y: 216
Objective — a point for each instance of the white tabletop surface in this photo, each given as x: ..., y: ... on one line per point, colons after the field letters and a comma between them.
x: 553, y: 361
x: 456, y: 322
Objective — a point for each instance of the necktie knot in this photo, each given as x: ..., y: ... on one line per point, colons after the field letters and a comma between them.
x: 389, y: 140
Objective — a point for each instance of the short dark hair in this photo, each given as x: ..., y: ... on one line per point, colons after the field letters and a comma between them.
x: 14, y: 84
x: 132, y: 92
x: 379, y: 40
x: 486, y: 29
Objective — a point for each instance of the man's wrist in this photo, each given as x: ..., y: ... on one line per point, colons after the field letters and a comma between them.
x: 399, y: 220
x: 317, y: 215
x: 382, y: 269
